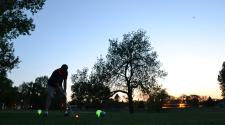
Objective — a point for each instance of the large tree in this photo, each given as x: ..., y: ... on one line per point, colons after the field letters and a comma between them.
x: 14, y: 21
x: 133, y: 64
x: 221, y: 79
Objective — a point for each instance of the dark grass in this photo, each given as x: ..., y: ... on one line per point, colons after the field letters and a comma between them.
x: 171, y: 117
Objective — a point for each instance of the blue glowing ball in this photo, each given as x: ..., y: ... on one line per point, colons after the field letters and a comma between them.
x: 103, y: 114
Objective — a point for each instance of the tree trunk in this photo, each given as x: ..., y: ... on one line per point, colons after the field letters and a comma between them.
x: 130, y: 99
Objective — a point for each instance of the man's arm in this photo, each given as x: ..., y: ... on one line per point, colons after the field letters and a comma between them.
x: 64, y: 84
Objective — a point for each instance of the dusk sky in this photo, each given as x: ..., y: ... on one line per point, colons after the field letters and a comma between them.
x: 188, y: 35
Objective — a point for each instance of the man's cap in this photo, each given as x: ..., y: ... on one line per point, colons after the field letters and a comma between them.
x: 64, y: 66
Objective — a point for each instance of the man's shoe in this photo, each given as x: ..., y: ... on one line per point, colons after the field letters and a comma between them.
x: 66, y: 113
x: 46, y: 114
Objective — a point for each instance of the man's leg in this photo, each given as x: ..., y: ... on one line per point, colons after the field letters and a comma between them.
x: 66, y: 107
x: 63, y: 100
x: 50, y: 94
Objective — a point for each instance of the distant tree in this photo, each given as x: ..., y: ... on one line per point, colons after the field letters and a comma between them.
x: 39, y: 92
x: 157, y: 97
x: 80, y: 87
x: 193, y: 100
x: 89, y: 89
x: 203, y: 98
x: 98, y: 79
x: 100, y: 71
x: 209, y: 102
x: 99, y: 93
x: 141, y: 105
x: 221, y: 79
x: 32, y: 94
x: 24, y: 92
x: 183, y: 98
x: 117, y: 98
x: 8, y: 93
x: 133, y: 64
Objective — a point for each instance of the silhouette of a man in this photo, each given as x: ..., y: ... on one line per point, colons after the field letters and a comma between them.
x: 54, y: 85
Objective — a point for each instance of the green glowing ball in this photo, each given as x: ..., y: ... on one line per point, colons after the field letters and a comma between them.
x: 39, y: 111
x: 98, y: 113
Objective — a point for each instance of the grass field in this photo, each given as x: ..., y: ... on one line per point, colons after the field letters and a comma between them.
x: 175, y: 117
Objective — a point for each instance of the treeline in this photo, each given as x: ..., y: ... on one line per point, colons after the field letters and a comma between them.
x: 25, y: 96
x: 194, y: 101
x: 89, y: 94
x: 28, y: 95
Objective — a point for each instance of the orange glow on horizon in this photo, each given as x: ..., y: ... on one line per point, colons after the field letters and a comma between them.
x: 182, y: 105
x: 179, y: 105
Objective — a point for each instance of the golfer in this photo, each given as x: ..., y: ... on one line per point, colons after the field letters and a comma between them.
x: 54, y: 85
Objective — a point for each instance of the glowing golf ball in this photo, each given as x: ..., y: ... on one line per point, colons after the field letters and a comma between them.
x: 76, y: 116
x: 39, y: 111
x: 103, y: 114
x: 100, y: 113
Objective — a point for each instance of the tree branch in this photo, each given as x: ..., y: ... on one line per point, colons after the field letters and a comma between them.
x: 114, y: 92
x: 135, y: 84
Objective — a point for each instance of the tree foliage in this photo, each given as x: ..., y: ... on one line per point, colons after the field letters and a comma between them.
x: 8, y: 93
x: 7, y: 59
x: 89, y: 90
x: 209, y: 102
x: 193, y: 100
x: 133, y: 64
x: 32, y: 94
x: 14, y: 20
x: 157, y: 97
x: 221, y: 80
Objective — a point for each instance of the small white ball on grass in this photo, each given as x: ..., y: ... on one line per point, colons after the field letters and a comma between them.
x: 76, y: 116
